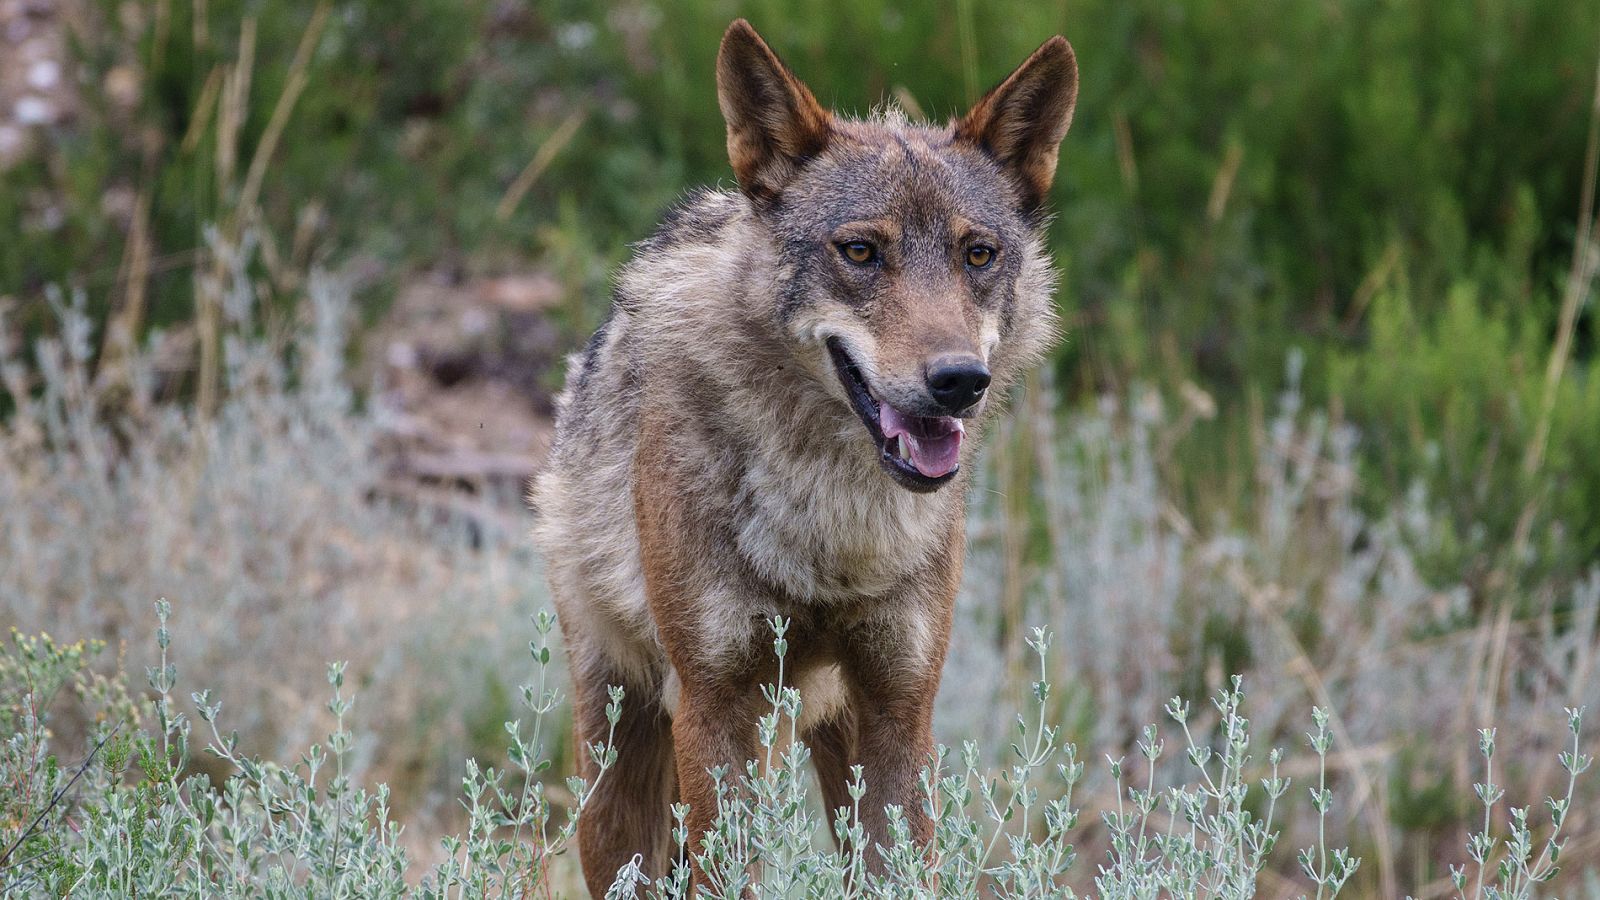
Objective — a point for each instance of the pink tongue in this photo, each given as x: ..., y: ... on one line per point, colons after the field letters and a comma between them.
x: 934, y: 442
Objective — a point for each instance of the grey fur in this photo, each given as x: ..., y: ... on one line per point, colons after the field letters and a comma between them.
x: 726, y: 311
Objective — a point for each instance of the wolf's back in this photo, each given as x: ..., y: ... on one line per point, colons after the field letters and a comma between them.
x: 668, y: 298
x: 657, y: 299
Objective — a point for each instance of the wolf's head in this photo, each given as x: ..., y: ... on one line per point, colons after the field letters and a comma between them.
x: 911, y: 270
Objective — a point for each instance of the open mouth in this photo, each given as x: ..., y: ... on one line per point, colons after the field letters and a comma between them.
x: 922, y: 453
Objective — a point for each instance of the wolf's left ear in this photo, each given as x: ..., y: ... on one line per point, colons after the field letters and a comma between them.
x: 774, y: 124
x: 1021, y: 123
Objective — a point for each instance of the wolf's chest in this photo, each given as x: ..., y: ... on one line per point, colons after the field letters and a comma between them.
x: 830, y: 538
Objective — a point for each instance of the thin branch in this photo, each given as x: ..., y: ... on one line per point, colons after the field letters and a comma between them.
x: 82, y: 768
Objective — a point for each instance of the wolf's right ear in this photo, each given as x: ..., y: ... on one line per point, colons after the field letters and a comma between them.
x: 774, y: 124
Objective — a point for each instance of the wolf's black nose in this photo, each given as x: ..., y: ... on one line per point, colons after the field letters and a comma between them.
x: 957, y: 382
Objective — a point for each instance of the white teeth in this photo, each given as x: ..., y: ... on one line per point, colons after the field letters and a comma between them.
x: 904, y: 448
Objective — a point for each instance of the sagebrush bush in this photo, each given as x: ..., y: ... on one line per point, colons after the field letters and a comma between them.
x: 131, y: 819
x: 1313, y: 600
x: 275, y: 517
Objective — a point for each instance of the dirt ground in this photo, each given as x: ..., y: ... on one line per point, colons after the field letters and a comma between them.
x: 466, y: 372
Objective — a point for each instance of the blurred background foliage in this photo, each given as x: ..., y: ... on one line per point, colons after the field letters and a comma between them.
x: 1328, y: 389
x: 1391, y: 187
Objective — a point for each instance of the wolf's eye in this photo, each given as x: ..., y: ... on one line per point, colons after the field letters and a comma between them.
x: 858, y: 252
x: 980, y: 256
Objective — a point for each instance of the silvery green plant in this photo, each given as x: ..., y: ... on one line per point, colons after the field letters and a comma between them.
x: 279, y: 830
x: 1313, y: 595
x: 1004, y: 836
x: 1329, y: 876
x: 135, y: 817
x: 1207, y: 843
x: 489, y: 860
x: 277, y: 515
x: 1517, y: 870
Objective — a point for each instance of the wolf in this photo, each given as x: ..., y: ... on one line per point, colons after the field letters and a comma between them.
x: 779, y: 418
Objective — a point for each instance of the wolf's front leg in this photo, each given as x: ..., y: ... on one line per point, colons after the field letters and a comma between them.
x: 627, y: 812
x: 895, y: 739
x: 895, y: 660
x: 714, y: 726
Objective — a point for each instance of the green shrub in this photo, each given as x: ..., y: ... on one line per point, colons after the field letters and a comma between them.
x: 1454, y: 403
x: 1233, y: 181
